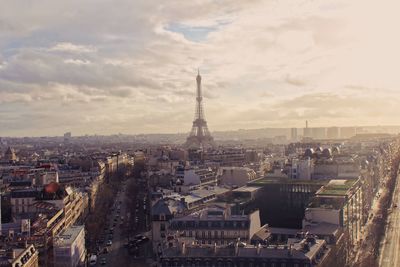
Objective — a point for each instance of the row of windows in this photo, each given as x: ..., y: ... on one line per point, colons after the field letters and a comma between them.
x: 212, y: 234
x: 175, y: 263
x: 215, y: 224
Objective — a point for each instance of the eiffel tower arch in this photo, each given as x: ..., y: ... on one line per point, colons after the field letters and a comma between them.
x: 200, y: 136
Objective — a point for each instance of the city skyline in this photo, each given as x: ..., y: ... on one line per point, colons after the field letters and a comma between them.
x: 64, y: 67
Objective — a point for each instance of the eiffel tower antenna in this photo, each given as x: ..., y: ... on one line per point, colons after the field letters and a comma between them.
x: 200, y: 136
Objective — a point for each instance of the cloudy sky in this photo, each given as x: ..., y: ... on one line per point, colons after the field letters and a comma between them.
x: 129, y: 66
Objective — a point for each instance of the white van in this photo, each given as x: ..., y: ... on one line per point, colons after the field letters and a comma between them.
x: 93, y: 260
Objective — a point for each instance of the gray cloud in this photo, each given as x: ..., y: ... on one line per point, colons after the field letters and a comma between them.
x: 89, y: 63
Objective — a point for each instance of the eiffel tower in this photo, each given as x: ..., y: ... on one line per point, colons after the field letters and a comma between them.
x: 199, y: 136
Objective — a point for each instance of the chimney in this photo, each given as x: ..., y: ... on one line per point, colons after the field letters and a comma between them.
x: 290, y: 250
x: 227, y: 212
x: 183, y: 248
x: 237, y: 248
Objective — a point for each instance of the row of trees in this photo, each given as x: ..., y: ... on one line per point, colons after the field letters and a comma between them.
x: 376, y: 230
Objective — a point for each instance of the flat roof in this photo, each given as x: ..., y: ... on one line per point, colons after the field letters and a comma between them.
x: 268, y: 180
x: 246, y: 189
x: 337, y: 187
x: 69, y: 235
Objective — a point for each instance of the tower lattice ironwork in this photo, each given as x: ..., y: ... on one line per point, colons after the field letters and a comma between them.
x: 200, y: 136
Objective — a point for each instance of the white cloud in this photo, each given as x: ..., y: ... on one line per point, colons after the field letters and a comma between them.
x: 69, y: 47
x: 258, y: 60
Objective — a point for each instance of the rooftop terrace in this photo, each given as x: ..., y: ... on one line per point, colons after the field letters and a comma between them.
x: 337, y: 187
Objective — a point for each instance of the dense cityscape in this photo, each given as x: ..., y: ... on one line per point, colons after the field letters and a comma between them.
x: 310, y: 197
x: 203, y: 133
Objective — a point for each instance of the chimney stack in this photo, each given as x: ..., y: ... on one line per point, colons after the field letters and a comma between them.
x: 183, y: 248
x: 237, y: 248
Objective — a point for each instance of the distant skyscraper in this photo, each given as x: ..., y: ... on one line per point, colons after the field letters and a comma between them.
x: 318, y: 133
x: 347, y: 132
x: 333, y: 133
x: 199, y: 136
x: 293, y: 134
x: 307, y: 131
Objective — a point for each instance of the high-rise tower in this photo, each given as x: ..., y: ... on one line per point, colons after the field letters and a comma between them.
x: 199, y: 136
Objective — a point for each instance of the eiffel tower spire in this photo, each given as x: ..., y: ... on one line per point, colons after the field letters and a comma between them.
x: 199, y: 136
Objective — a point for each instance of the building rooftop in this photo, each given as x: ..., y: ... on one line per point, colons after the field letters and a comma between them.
x: 337, y: 187
x: 266, y: 181
x: 67, y: 237
x: 212, y: 213
x: 301, y: 250
x: 246, y: 189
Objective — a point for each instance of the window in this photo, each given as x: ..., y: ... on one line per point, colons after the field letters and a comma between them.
x: 209, y: 234
x: 190, y: 234
x: 222, y: 234
x: 162, y: 227
x: 215, y: 234
x: 203, y: 234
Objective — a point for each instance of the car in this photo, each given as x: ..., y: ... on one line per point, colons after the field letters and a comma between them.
x: 93, y: 260
x: 103, y: 261
x: 138, y: 237
x: 109, y: 243
x: 145, y: 239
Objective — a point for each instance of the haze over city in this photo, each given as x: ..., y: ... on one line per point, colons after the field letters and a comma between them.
x: 202, y: 133
x: 105, y: 67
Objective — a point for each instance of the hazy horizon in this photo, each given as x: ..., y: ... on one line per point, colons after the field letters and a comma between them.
x: 366, y: 127
x: 129, y: 66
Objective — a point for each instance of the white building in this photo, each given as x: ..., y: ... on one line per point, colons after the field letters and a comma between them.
x: 215, y: 225
x: 302, y: 169
x: 188, y: 179
x: 69, y: 247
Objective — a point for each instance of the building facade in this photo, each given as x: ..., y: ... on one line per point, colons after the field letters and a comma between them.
x: 69, y: 247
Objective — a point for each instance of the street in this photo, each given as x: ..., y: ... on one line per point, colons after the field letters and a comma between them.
x: 125, y: 240
x: 389, y: 255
